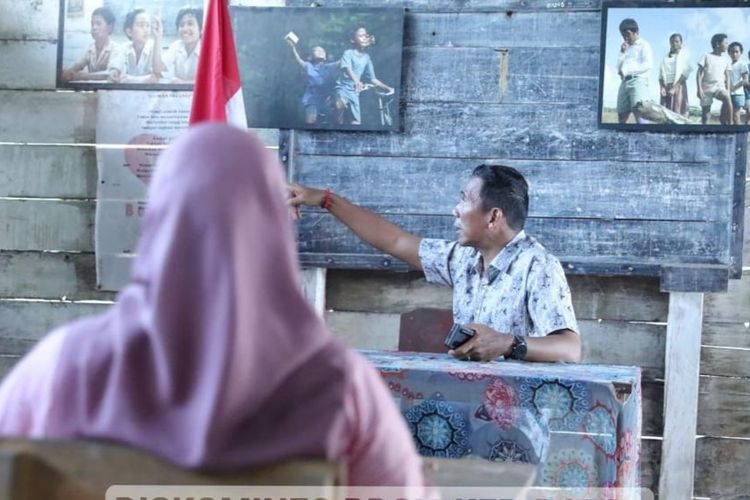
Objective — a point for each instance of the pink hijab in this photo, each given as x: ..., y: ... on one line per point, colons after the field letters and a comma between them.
x: 211, y: 357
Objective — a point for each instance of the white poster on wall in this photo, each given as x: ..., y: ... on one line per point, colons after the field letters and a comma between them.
x: 132, y: 129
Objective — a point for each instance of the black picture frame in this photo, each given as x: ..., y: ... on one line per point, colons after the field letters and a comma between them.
x: 276, y: 83
x: 74, y: 38
x: 696, y: 23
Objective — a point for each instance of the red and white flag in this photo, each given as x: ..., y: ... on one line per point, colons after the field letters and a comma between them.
x: 217, y: 95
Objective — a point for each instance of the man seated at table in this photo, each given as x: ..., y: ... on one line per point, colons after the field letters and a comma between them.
x: 506, y: 286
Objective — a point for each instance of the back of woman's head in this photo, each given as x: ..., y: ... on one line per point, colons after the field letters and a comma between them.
x: 220, y: 193
x: 217, y: 248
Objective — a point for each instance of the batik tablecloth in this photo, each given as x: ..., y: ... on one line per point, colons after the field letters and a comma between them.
x: 580, y: 423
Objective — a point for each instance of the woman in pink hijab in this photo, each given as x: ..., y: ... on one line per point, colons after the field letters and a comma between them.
x: 211, y: 357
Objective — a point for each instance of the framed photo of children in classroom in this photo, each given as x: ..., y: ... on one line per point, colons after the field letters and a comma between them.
x: 675, y: 67
x: 115, y: 44
x: 320, y: 68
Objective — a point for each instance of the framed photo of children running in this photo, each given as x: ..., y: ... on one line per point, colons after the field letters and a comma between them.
x: 320, y: 68
x: 116, y: 44
x: 675, y: 67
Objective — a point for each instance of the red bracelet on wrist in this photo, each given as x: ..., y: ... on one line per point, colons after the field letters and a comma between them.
x: 327, y: 200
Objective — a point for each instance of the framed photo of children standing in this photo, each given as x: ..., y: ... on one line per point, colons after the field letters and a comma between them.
x: 675, y: 67
x: 112, y: 44
x: 320, y: 68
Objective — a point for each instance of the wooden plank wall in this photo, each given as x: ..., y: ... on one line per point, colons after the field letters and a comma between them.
x: 47, y: 276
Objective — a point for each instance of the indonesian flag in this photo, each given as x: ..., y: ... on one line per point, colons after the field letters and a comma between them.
x: 217, y: 95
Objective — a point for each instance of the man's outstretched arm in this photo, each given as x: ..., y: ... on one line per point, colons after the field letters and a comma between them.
x: 368, y: 226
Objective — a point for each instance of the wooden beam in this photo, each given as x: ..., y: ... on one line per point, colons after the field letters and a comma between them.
x: 694, y: 278
x: 682, y: 364
x: 314, y: 288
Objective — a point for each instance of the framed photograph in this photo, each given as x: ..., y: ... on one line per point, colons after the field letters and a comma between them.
x: 114, y: 44
x: 675, y: 67
x: 320, y: 68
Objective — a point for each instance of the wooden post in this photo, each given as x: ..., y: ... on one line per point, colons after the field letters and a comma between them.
x: 314, y: 288
x: 313, y: 279
x: 682, y: 370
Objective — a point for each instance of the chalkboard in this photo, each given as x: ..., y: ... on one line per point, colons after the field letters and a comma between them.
x: 520, y: 87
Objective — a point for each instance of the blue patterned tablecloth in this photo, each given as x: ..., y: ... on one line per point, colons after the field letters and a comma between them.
x: 580, y: 423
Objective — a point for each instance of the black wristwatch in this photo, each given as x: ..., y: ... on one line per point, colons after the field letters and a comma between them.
x: 519, y: 348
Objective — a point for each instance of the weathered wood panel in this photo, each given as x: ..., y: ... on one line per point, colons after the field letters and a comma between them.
x: 45, y: 275
x: 373, y: 291
x: 425, y: 71
x: 522, y: 131
x: 637, y: 344
x: 29, y: 20
x: 694, y: 277
x: 29, y: 321
x: 614, y: 190
x: 28, y: 64
x: 726, y: 334
x: 724, y: 407
x: 6, y: 363
x: 730, y: 307
x: 509, y: 6
x: 726, y: 362
x: 48, y: 171
x: 656, y: 241
x: 650, y: 460
x: 365, y: 330
x: 69, y: 117
x: 500, y: 30
x: 258, y: 3
x: 721, y: 468
x: 46, y: 225
x: 622, y: 299
x: 746, y: 233
x: 738, y: 220
x: 652, y: 399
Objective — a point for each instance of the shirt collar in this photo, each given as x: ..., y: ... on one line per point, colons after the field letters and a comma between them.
x: 183, y: 49
x: 502, y: 261
x: 146, y: 48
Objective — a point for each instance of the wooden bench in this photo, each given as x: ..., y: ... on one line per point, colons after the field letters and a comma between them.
x: 84, y: 470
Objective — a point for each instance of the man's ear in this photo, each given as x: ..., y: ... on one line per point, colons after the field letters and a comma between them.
x: 495, y: 215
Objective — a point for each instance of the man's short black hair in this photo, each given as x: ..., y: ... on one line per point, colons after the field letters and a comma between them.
x: 717, y: 39
x: 130, y: 20
x: 504, y: 187
x: 106, y: 14
x: 736, y: 44
x: 675, y: 35
x: 628, y: 24
x: 196, y: 13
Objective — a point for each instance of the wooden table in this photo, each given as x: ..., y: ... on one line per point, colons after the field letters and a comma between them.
x: 581, y: 424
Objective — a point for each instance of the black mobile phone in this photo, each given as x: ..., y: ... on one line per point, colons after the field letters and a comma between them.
x: 457, y: 336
